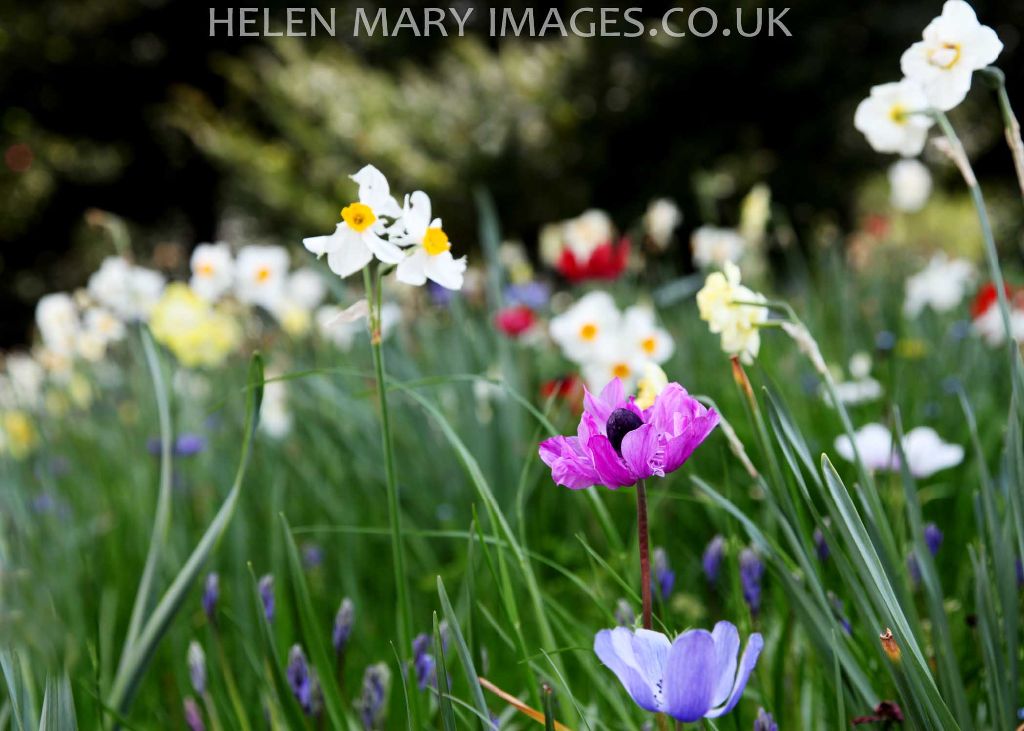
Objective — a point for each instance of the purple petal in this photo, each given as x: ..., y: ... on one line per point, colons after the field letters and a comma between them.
x: 671, y: 401
x: 570, y: 467
x: 642, y: 452
x: 747, y: 663
x: 689, y: 676
x: 680, y: 446
x: 727, y: 650
x: 650, y: 649
x: 610, y: 468
x: 614, y: 647
x: 612, y: 397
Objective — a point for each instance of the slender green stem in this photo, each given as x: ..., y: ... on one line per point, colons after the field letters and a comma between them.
x: 645, y: 552
x: 991, y: 254
x: 1010, y: 124
x: 375, y: 299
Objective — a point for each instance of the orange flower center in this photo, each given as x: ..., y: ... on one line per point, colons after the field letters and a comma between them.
x: 435, y: 241
x: 648, y: 345
x: 621, y: 370
x: 263, y: 274
x: 588, y: 332
x: 358, y: 216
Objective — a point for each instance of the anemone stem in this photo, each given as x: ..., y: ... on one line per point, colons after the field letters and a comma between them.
x: 645, y: 553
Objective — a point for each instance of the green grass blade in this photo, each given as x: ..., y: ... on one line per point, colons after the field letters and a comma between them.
x: 465, y: 657
x: 58, y: 706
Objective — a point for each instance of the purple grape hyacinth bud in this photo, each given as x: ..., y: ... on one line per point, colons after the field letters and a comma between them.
x: 188, y: 445
x: 312, y: 555
x: 933, y: 538
x: 913, y: 569
x: 751, y: 572
x: 343, y: 621
x: 712, y: 558
x: 266, y: 588
x: 423, y: 662
x: 211, y: 592
x: 197, y: 667
x: 302, y: 680
x: 624, y: 614
x: 371, y: 703
x: 193, y: 716
x: 764, y: 721
x: 664, y: 577
x: 820, y: 545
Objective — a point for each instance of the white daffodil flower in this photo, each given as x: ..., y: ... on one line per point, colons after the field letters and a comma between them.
x: 429, y: 256
x: 129, y: 291
x: 213, y: 270
x: 260, y: 275
x: 891, y: 120
x: 713, y: 246
x: 641, y: 332
x: 942, y: 286
x: 588, y: 329
x: 660, y: 221
x: 910, y: 184
x: 360, y: 235
x: 738, y: 325
x: 955, y: 45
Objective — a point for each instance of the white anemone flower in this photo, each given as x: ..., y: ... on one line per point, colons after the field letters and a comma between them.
x: 57, y: 320
x: 429, y: 256
x: 713, y: 246
x: 891, y: 120
x: 588, y: 329
x: 260, y: 275
x: 360, y: 235
x: 641, y: 332
x: 129, y: 291
x: 941, y: 285
x: 925, y: 450
x: 910, y: 184
x: 955, y: 45
x: 213, y: 270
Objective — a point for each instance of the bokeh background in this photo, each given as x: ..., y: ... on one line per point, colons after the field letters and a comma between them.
x: 129, y: 106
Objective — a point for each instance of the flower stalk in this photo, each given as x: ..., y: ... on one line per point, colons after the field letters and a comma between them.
x: 374, y: 298
x: 645, y: 555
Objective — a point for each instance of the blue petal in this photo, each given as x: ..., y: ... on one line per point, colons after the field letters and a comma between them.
x: 727, y: 651
x: 690, y: 676
x: 615, y: 649
x: 747, y: 663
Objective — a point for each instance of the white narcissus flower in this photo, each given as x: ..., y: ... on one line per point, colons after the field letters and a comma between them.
x: 910, y: 184
x: 955, y: 45
x: 360, y: 235
x: 275, y: 416
x: 129, y: 291
x: 306, y: 288
x: 737, y: 324
x: 429, y: 255
x: 941, y: 285
x: 713, y: 247
x: 640, y: 333
x: 57, y: 320
x: 627, y: 366
x: 586, y: 331
x: 583, y: 234
x: 660, y: 221
x: 260, y: 275
x: 213, y: 270
x: 21, y: 384
x: 925, y: 451
x: 891, y: 118
x: 103, y: 324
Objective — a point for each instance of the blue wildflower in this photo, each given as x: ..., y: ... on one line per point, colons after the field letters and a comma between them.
x: 696, y: 676
x: 624, y: 614
x: 712, y: 558
x: 423, y: 662
x: 197, y: 667
x: 211, y: 592
x: 751, y: 573
x: 343, y: 621
x: 266, y: 588
x: 764, y: 721
x: 664, y: 577
x: 933, y: 538
x: 193, y: 716
x: 371, y: 703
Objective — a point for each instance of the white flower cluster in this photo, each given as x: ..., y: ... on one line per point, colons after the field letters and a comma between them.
x: 938, y: 70
x: 925, y: 451
x: 375, y: 226
x: 607, y: 343
x: 941, y: 286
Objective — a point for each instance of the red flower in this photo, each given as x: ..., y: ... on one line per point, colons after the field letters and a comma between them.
x: 606, y: 261
x: 987, y: 297
x: 515, y: 320
x: 567, y: 388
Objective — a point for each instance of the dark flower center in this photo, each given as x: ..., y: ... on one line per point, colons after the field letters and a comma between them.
x: 620, y: 423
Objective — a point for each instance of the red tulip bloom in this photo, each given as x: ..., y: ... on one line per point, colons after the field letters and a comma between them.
x: 515, y: 320
x: 606, y: 261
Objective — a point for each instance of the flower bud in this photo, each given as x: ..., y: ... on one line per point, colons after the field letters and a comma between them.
x: 889, y: 645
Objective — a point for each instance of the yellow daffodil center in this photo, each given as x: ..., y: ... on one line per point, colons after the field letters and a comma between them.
x: 435, y: 241
x: 262, y: 274
x: 898, y: 114
x: 648, y: 345
x: 945, y: 56
x: 358, y: 216
x: 205, y: 269
x: 588, y: 331
x: 621, y: 370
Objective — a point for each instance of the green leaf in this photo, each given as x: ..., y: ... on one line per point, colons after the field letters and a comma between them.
x: 465, y: 657
x: 58, y: 706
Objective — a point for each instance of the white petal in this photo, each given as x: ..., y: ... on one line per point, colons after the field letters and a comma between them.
x: 446, y: 270
x: 348, y: 256
x: 411, y: 270
x: 384, y: 250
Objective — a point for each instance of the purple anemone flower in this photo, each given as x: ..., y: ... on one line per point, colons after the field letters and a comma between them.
x: 617, y: 443
x: 696, y: 676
